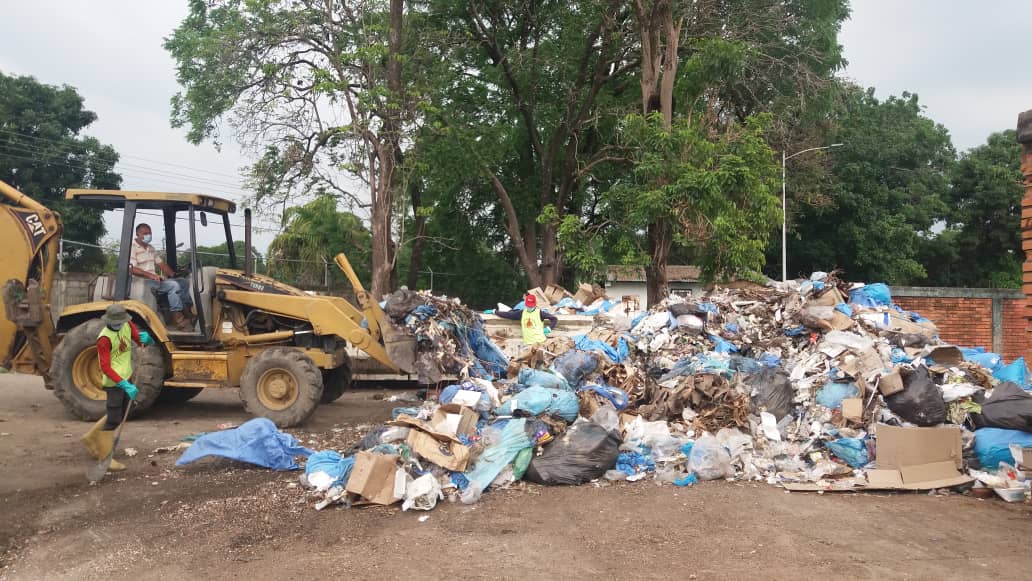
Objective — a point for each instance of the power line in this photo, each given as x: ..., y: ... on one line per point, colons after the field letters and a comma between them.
x: 120, y: 155
x: 54, y: 159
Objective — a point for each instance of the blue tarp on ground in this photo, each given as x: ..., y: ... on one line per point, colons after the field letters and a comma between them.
x: 257, y: 441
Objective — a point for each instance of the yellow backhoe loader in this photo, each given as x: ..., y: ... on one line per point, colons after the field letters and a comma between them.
x: 284, y: 349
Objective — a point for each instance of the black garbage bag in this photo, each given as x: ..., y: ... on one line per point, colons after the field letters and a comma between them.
x: 920, y: 402
x: 574, y: 365
x: 402, y: 302
x: 679, y: 309
x: 1009, y: 407
x: 582, y: 454
x: 771, y: 391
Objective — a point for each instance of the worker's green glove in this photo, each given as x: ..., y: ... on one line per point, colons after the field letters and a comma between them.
x: 145, y: 338
x: 128, y: 388
x: 548, y: 331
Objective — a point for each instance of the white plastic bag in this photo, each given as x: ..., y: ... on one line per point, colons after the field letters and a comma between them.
x: 422, y: 493
x: 709, y: 460
x: 606, y: 417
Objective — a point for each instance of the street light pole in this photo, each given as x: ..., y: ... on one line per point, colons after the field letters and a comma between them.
x: 784, y: 205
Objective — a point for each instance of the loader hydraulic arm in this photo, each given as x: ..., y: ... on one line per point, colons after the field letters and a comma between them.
x: 29, y: 236
x: 400, y: 346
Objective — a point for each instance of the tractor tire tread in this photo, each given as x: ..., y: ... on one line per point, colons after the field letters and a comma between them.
x: 305, y: 371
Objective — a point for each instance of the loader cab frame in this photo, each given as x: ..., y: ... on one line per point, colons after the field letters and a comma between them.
x: 145, y: 207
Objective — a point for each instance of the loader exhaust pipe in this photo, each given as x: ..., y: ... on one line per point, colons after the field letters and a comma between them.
x: 248, y: 259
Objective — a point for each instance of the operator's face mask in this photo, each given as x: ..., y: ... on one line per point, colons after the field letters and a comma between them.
x: 146, y: 238
x: 115, y: 327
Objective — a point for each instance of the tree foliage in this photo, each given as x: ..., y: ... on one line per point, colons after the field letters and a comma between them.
x: 313, y: 234
x: 316, y: 88
x: 43, y: 153
x: 888, y: 183
x: 716, y: 191
x: 981, y: 246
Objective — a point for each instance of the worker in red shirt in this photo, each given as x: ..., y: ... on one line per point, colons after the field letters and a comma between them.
x: 114, y: 349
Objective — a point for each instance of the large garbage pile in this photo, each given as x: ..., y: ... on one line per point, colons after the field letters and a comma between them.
x: 819, y: 385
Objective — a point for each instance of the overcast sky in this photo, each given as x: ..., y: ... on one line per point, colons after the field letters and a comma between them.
x: 962, y: 57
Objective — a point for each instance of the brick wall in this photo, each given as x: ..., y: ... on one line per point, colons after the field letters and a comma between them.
x: 965, y: 317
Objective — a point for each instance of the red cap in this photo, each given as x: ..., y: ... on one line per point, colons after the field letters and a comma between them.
x: 530, y: 301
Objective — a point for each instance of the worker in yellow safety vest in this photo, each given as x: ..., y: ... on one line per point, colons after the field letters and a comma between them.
x: 535, y: 323
x: 114, y: 350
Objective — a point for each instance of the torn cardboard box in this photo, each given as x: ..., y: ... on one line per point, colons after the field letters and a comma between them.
x: 890, y: 383
x: 436, y: 446
x: 910, y: 459
x: 373, y: 479
x: 455, y: 419
x: 853, y: 409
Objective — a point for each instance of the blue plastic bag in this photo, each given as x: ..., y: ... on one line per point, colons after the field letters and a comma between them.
x: 631, y: 463
x: 872, y: 295
x: 689, y: 480
x: 844, y: 309
x: 769, y: 360
x: 616, y: 396
x: 617, y: 355
x: 490, y: 356
x: 332, y: 463
x: 992, y: 445
x: 1016, y: 372
x: 573, y: 366
x: 541, y: 378
x: 831, y: 395
x: 709, y: 308
x: 257, y: 441
x: 795, y: 331
x: 852, y: 451
x: 537, y: 400
x: 494, y: 459
x: 722, y: 346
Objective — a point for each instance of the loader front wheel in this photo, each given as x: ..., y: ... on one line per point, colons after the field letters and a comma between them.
x: 75, y: 374
x: 281, y: 384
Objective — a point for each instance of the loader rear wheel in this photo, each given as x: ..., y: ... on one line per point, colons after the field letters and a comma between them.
x: 75, y: 374
x: 177, y: 395
x: 335, y: 383
x: 281, y: 384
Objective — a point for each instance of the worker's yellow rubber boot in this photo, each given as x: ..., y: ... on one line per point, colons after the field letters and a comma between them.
x: 107, y: 441
x: 91, y: 439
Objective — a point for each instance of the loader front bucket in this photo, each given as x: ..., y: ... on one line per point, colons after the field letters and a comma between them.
x: 400, y: 347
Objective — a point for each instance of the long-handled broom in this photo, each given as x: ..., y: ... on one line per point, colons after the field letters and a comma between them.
x: 96, y: 473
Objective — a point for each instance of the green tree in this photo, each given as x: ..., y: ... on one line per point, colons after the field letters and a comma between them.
x: 313, y: 234
x: 887, y: 189
x: 523, y: 114
x: 716, y: 193
x: 43, y: 153
x: 319, y: 87
x: 981, y: 246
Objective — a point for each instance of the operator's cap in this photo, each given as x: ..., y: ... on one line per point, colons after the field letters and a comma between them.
x: 530, y: 301
x: 116, y: 314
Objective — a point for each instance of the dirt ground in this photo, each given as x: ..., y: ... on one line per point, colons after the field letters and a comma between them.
x: 229, y: 520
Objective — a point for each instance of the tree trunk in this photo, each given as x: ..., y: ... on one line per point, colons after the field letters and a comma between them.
x: 550, y: 257
x: 658, y: 287
x: 416, y: 258
x: 383, y: 205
